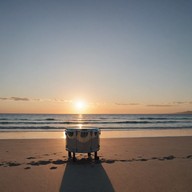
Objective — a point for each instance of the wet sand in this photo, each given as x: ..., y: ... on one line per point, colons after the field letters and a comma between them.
x: 126, y: 164
x: 104, y: 134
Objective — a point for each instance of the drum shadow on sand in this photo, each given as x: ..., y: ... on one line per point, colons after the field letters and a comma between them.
x: 85, y: 175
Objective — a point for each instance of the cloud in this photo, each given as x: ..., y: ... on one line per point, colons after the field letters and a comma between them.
x: 20, y: 99
x: 171, y: 104
x: 3, y: 98
x: 167, y: 105
x: 34, y: 99
x: 127, y: 103
x: 182, y: 102
x: 60, y: 100
x: 14, y: 98
x: 179, y: 102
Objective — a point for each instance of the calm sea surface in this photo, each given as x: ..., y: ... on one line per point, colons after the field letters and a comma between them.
x: 28, y: 122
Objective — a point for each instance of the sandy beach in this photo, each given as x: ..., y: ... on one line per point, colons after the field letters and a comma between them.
x: 126, y: 164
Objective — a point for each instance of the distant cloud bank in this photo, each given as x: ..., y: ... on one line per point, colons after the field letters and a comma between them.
x: 160, y: 105
x: 33, y: 99
x: 175, y: 103
x: 14, y: 98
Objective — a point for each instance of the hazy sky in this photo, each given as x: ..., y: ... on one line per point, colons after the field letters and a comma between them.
x: 123, y: 56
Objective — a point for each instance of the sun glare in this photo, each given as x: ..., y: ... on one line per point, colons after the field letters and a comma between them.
x: 80, y: 106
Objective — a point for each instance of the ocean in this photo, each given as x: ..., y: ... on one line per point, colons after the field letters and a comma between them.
x: 57, y: 123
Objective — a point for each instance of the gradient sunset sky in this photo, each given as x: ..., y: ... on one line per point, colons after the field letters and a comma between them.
x: 123, y: 56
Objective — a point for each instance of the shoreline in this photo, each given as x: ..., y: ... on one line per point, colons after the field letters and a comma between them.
x: 104, y: 134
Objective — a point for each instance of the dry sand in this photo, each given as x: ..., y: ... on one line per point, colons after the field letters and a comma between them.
x: 126, y: 164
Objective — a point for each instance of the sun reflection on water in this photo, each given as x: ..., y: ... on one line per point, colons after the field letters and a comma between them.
x: 80, y: 126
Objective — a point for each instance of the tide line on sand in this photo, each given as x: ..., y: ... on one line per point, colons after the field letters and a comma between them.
x: 104, y: 134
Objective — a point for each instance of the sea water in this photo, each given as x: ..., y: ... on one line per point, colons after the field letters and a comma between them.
x: 54, y: 122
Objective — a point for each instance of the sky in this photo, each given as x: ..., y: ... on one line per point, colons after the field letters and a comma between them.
x: 123, y: 56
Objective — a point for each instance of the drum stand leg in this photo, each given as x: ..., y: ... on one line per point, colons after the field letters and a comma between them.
x: 69, y: 154
x: 74, y: 158
x: 96, y: 157
x: 89, y: 155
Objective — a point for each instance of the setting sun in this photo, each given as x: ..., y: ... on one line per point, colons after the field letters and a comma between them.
x: 80, y: 106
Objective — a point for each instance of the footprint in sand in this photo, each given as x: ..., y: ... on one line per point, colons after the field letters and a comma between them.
x: 52, y: 168
x: 27, y: 168
x: 30, y: 158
